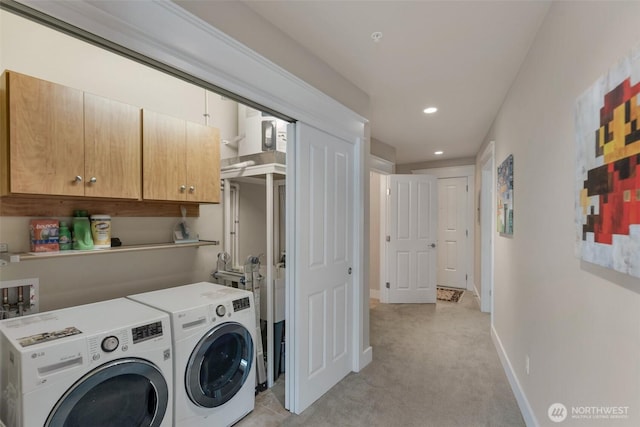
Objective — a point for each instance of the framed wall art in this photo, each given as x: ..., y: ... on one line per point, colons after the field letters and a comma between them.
x: 607, y: 199
x: 505, y: 197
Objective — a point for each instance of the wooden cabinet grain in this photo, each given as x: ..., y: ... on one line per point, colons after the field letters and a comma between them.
x: 113, y: 148
x: 44, y: 141
x: 181, y: 160
x: 64, y: 142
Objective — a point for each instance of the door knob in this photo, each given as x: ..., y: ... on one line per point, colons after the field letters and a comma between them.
x: 93, y: 180
x: 182, y: 188
x: 433, y: 245
x: 78, y: 178
x: 192, y: 189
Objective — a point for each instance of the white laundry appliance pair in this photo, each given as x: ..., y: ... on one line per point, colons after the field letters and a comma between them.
x: 213, y: 330
x: 180, y: 357
x: 103, y: 364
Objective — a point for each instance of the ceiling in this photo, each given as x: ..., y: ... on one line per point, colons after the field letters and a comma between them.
x: 459, y: 56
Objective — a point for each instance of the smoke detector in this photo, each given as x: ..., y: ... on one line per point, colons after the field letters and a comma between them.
x: 376, y: 36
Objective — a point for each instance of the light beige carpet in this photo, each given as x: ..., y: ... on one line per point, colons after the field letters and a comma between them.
x: 434, y: 365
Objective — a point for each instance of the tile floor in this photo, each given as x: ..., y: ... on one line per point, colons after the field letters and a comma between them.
x: 269, y: 410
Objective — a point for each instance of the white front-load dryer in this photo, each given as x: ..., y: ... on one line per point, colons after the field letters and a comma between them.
x: 213, y: 330
x: 106, y: 364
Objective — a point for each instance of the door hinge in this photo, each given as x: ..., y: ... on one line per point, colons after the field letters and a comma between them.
x: 388, y: 238
x: 388, y: 191
x: 388, y: 285
x: 467, y: 188
x: 467, y: 232
x: 466, y: 277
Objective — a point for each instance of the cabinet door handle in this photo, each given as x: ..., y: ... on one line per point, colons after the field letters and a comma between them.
x: 93, y: 180
x: 78, y: 178
x: 192, y: 189
x: 182, y: 188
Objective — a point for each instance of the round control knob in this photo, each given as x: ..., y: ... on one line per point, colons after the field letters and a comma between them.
x: 221, y: 310
x: 109, y: 344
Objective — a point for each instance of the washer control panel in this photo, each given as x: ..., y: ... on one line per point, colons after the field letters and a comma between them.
x: 221, y: 310
x: 241, y: 304
x: 110, y: 343
x: 101, y: 345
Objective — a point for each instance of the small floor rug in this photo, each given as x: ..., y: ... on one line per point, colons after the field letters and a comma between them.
x: 451, y: 295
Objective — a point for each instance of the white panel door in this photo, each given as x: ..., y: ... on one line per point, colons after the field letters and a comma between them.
x: 452, y: 232
x: 411, y: 244
x: 324, y: 230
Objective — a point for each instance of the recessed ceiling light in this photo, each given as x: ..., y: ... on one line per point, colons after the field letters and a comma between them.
x: 376, y: 36
x: 430, y: 110
x: 439, y: 153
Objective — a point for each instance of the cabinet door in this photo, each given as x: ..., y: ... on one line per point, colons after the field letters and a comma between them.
x: 112, y: 148
x: 203, y: 163
x: 163, y: 157
x: 46, y: 137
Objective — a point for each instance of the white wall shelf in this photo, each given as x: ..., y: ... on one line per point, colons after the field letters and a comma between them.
x: 30, y: 256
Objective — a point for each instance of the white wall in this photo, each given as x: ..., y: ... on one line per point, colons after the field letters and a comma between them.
x: 375, y: 180
x: 253, y: 222
x: 578, y: 323
x: 36, y: 50
x: 243, y: 24
x: 382, y: 150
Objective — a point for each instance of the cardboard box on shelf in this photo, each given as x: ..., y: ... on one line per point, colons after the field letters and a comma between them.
x: 44, y: 235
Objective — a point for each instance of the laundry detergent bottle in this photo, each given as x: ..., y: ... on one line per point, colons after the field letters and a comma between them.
x: 64, y: 238
x: 82, y: 239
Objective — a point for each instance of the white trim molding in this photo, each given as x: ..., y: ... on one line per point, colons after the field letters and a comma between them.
x: 487, y: 227
x: 165, y: 32
x: 380, y: 165
x: 523, y: 403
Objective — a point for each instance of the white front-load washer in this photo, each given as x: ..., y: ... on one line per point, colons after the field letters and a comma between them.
x: 106, y: 364
x: 213, y: 330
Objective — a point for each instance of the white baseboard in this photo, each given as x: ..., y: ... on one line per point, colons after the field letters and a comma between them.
x: 374, y: 293
x: 366, y: 357
x: 478, y: 298
x: 527, y: 413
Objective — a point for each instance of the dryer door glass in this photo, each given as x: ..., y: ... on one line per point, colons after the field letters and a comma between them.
x: 122, y: 393
x: 219, y: 365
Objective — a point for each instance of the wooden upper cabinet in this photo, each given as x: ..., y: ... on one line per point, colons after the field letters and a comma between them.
x: 46, y: 138
x: 64, y: 142
x: 203, y: 163
x: 112, y: 144
x: 181, y: 160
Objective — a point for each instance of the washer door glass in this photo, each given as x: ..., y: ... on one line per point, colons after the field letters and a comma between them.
x: 122, y: 393
x: 219, y: 365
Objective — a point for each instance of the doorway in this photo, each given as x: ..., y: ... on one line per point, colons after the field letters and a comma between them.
x: 253, y: 171
x: 240, y: 72
x: 458, y: 193
x: 378, y: 169
x: 487, y: 215
x: 453, y: 232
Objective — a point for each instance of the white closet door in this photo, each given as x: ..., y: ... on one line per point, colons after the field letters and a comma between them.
x: 324, y: 233
x: 452, y: 232
x: 411, y: 243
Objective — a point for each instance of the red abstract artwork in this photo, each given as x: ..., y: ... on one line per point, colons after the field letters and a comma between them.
x: 608, y: 173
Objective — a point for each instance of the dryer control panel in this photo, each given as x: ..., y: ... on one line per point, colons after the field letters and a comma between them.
x: 146, y: 332
x: 241, y: 304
